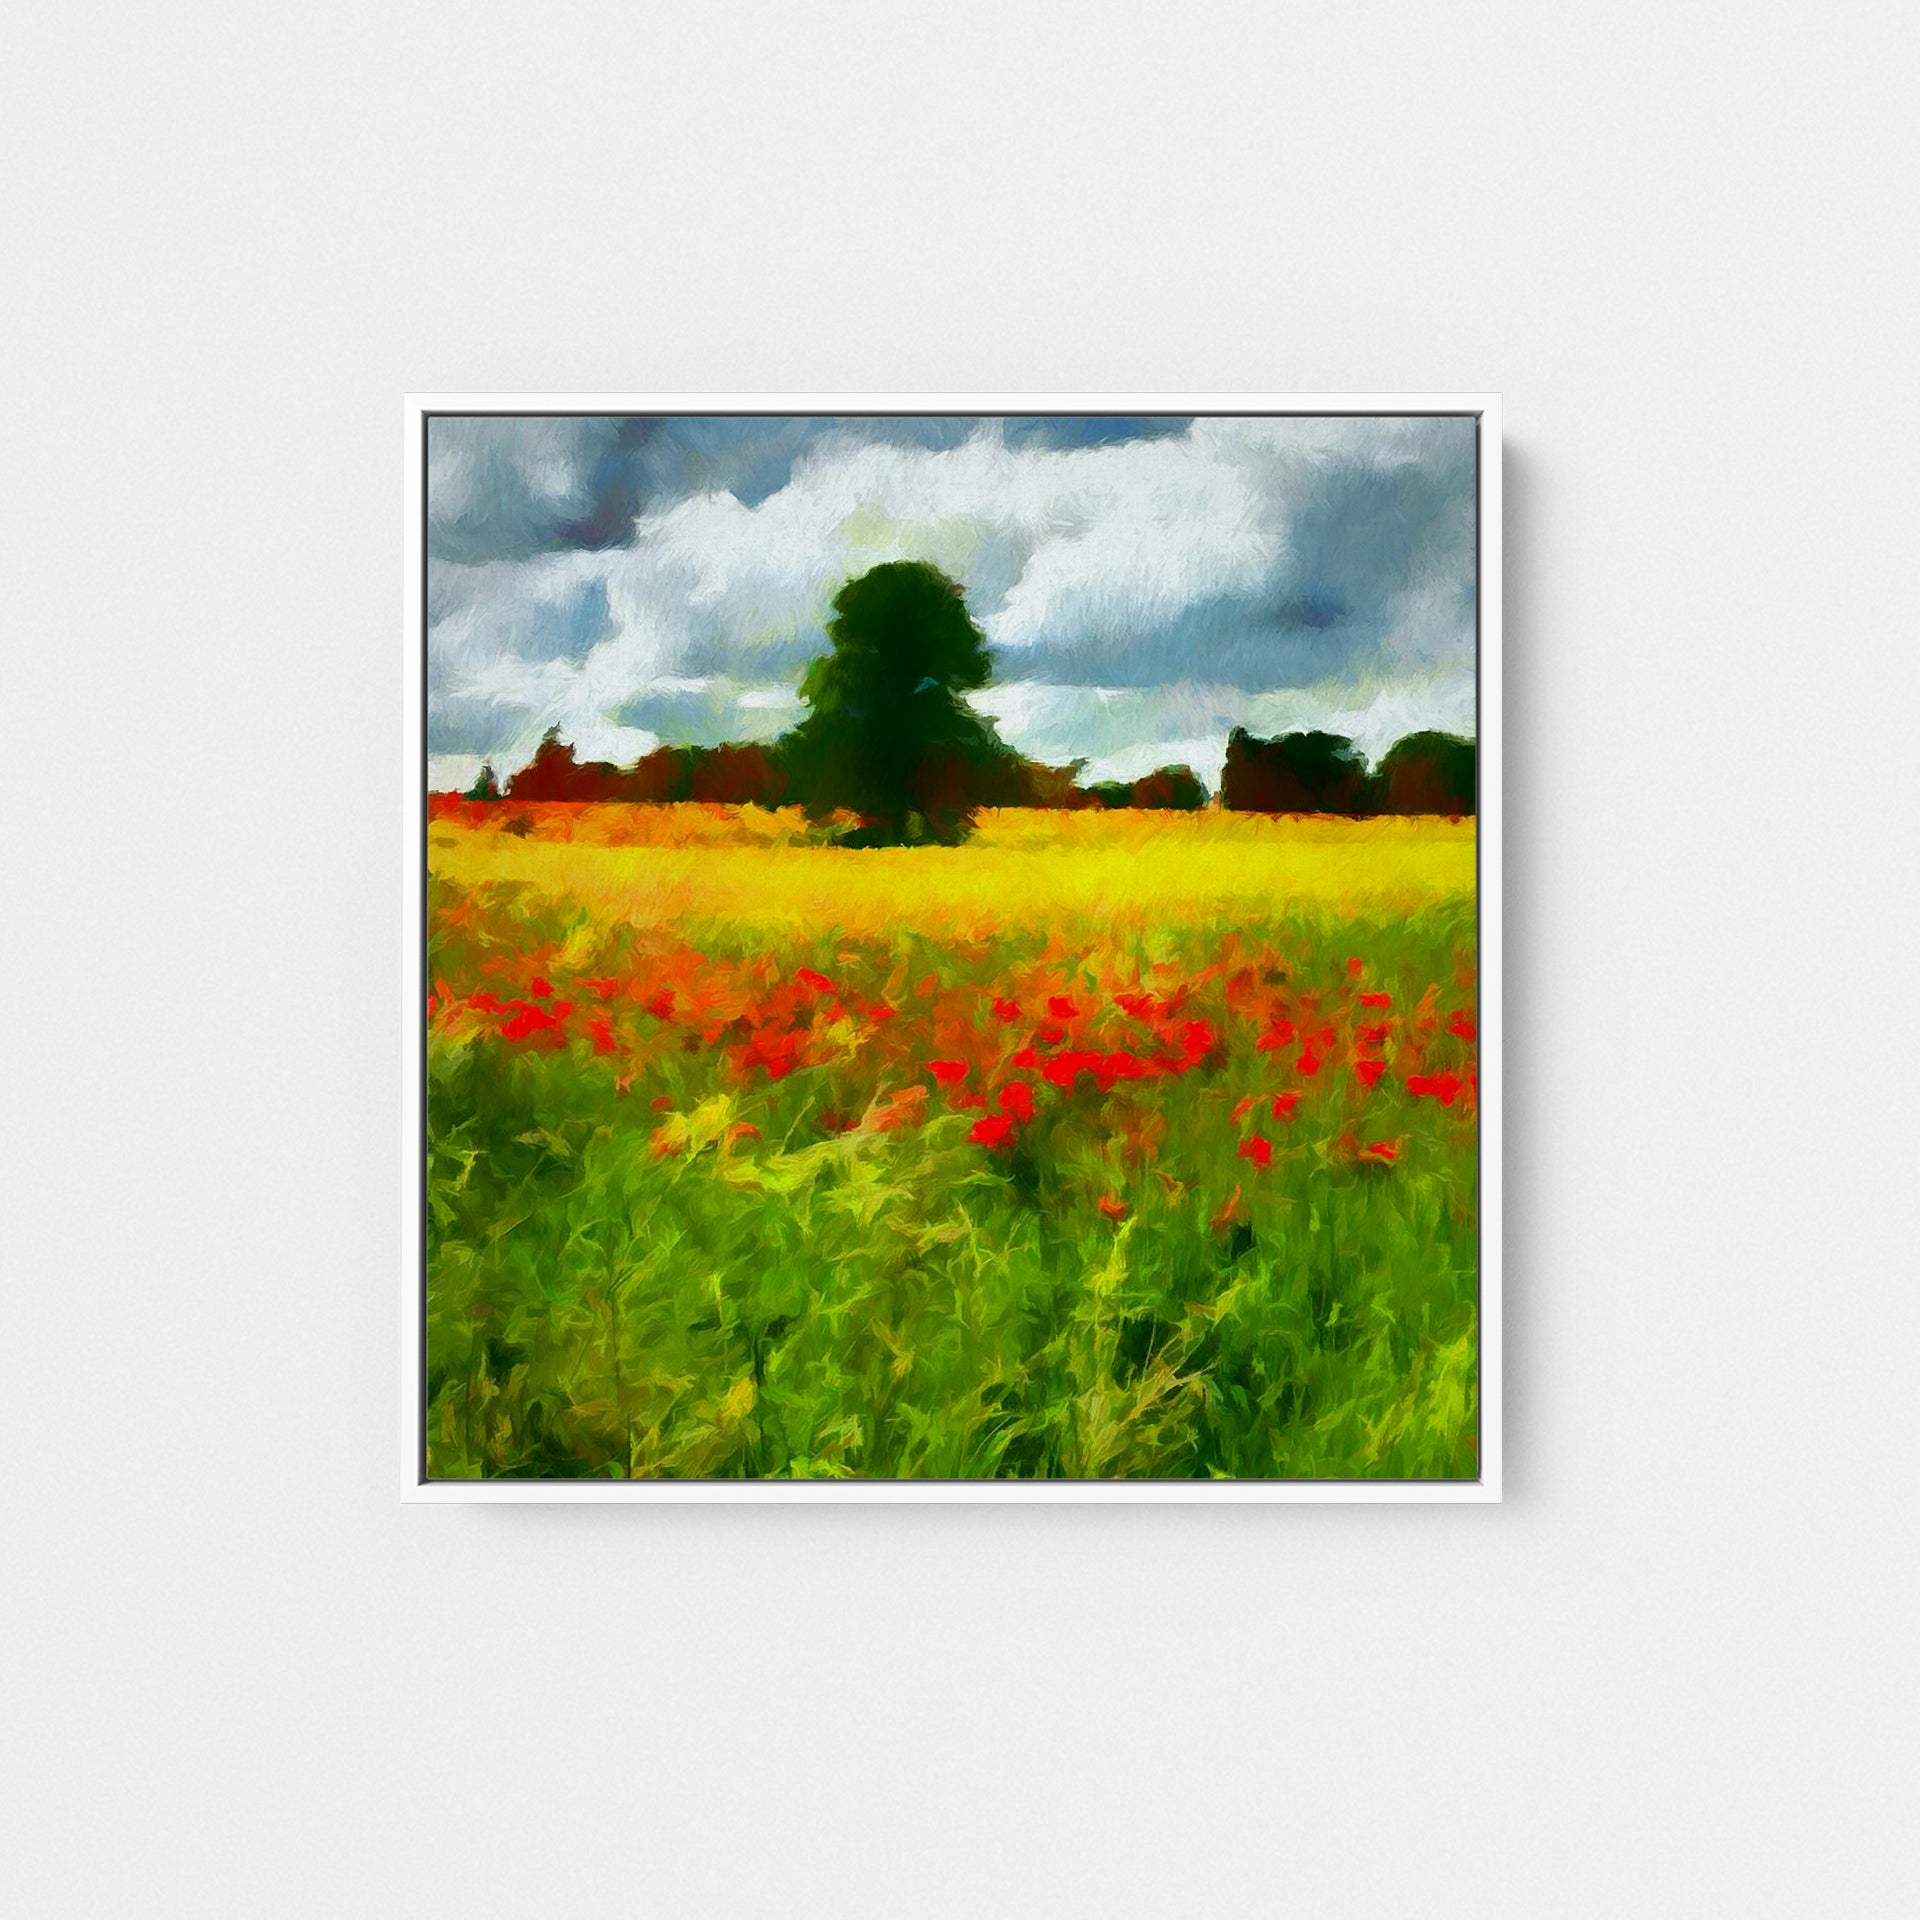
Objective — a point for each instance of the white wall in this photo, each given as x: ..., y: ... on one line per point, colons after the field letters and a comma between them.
x: 1674, y: 1673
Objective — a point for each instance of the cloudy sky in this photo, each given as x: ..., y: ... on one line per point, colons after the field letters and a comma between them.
x: 1145, y: 584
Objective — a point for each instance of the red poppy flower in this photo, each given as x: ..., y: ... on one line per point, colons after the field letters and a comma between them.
x: 1376, y: 999
x: 1197, y: 1038
x: 1373, y: 1036
x: 881, y: 1011
x: 1461, y: 1027
x: 960, y: 1102
x: 1027, y: 1057
x: 1368, y: 1072
x: 433, y: 1006
x: 602, y: 989
x: 1308, y: 1063
x: 1005, y: 1011
x: 995, y: 1130
x: 947, y: 1073
x: 539, y: 988
x: 483, y: 1003
x: 602, y: 1031
x: 1065, y: 1068
x: 1051, y: 1034
x: 1122, y: 1065
x: 561, y: 1008
x: 661, y: 1005
x: 1241, y: 1108
x: 1140, y: 1006
x: 527, y: 1021
x: 817, y: 981
x: 1257, y: 1148
x: 1355, y: 966
x: 1279, y: 1034
x: 1016, y: 1098
x: 1113, y: 1206
x: 775, y: 1054
x: 1385, y: 1151
x: 1284, y: 1104
x: 1444, y: 1087
x: 1059, y: 1007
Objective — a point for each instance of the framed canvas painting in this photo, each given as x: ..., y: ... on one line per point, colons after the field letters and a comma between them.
x: 952, y: 948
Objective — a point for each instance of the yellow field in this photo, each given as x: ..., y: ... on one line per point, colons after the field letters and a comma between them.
x: 657, y: 866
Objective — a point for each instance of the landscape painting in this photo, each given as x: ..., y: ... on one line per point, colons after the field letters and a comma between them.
x: 951, y: 947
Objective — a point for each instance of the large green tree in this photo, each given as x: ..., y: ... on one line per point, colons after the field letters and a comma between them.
x: 888, y: 736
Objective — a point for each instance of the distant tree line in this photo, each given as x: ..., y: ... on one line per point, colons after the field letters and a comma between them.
x: 756, y: 774
x: 890, y: 741
x: 1430, y: 773
x: 1327, y: 773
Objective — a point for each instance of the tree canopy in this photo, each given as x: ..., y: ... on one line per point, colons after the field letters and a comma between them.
x: 1297, y: 773
x: 1428, y: 773
x: 888, y: 735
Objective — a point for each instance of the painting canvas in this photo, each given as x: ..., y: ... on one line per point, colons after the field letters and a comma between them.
x: 951, y: 949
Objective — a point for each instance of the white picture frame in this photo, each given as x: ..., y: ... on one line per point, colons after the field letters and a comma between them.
x: 416, y: 1487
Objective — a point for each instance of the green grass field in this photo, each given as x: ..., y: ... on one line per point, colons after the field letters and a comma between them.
x: 1104, y: 1145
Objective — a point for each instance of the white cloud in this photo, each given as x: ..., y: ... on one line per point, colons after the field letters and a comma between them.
x: 453, y: 772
